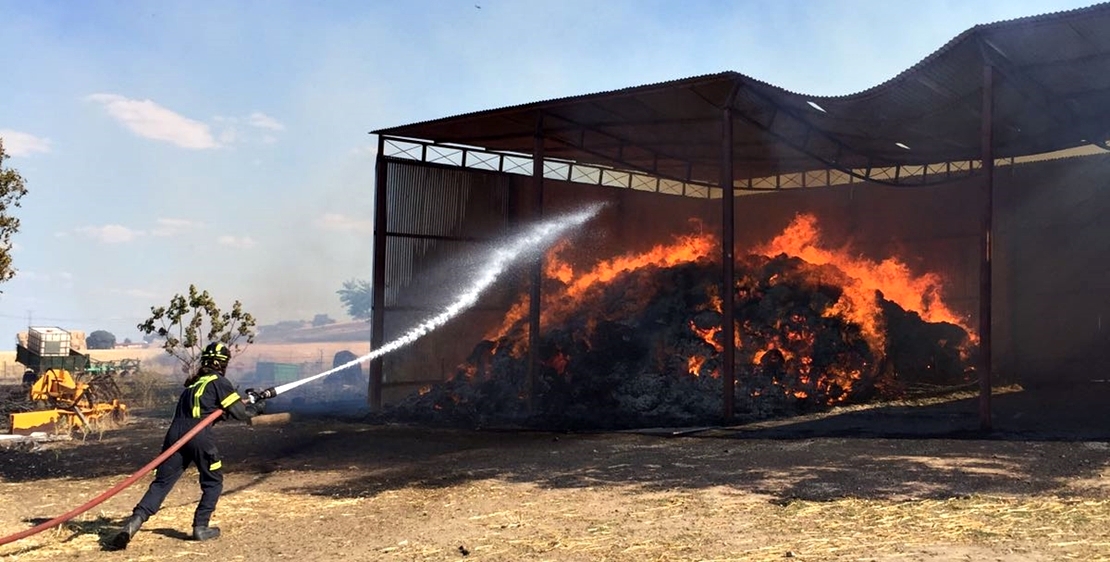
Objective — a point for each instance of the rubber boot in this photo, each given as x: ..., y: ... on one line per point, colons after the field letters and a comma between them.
x: 130, y: 527
x: 205, y: 533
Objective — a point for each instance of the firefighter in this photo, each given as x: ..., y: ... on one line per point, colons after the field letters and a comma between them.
x: 205, y: 392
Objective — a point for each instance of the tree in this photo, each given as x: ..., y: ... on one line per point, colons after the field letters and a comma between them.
x: 12, y: 189
x: 357, y: 297
x: 321, y: 320
x: 101, y: 339
x: 191, y: 322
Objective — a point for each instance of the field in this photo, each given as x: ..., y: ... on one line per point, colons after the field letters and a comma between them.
x: 156, y: 360
x: 872, y: 484
x: 157, y: 385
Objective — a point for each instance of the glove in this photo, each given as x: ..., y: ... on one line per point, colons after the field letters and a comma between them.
x: 255, y: 409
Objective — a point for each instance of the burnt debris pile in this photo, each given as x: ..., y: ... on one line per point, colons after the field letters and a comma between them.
x: 645, y: 349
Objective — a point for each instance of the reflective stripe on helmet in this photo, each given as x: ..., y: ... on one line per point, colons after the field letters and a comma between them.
x: 216, y: 350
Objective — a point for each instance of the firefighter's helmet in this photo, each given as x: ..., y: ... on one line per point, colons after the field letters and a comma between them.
x: 215, y: 356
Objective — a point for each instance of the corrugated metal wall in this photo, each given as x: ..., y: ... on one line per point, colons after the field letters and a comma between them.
x: 435, y: 213
x: 1052, y: 271
x: 436, y: 218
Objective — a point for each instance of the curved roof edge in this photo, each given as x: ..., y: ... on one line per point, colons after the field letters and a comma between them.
x: 664, y: 85
x: 966, y: 35
x: 871, y: 91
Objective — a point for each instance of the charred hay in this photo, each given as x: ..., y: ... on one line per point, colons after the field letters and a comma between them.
x: 645, y: 351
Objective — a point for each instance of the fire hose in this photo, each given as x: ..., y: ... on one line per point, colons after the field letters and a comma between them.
x: 540, y: 236
x: 252, y: 397
x: 114, y: 489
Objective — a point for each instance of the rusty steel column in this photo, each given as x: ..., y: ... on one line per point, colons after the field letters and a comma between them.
x: 537, y: 269
x: 377, y: 283
x: 985, y: 242
x: 728, y: 241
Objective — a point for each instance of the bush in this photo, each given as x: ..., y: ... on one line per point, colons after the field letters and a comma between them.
x: 149, y: 390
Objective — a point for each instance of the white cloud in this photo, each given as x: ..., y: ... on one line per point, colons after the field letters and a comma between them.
x: 118, y: 234
x: 150, y: 120
x: 263, y: 121
x: 336, y: 221
x: 110, y: 233
x: 173, y: 227
x: 240, y: 242
x: 17, y: 143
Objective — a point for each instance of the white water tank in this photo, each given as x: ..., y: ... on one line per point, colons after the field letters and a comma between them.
x: 47, y: 341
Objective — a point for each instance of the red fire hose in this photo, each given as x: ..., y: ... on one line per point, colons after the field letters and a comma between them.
x: 114, y: 489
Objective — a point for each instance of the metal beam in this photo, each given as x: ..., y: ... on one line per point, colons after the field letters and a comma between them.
x: 392, y: 234
x: 377, y: 284
x: 413, y: 154
x: 632, y: 167
x: 728, y: 261
x: 537, y: 269
x: 985, y: 293
x: 840, y: 148
x: 1052, y: 104
x: 620, y: 144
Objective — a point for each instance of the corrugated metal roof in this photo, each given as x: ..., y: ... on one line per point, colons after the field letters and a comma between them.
x: 1051, y: 92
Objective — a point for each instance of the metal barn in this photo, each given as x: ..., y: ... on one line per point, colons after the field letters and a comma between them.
x: 982, y: 167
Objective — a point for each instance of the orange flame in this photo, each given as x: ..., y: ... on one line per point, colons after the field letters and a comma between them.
x: 685, y: 249
x: 569, y: 286
x: 558, y: 304
x: 709, y: 335
x: 917, y: 293
x: 694, y: 364
x: 559, y: 362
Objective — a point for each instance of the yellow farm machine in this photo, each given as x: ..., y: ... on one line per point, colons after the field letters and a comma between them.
x: 63, y: 390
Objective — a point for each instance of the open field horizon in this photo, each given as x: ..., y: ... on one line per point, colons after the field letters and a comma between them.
x: 156, y: 360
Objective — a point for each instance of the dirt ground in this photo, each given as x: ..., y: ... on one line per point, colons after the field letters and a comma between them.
x: 877, y: 484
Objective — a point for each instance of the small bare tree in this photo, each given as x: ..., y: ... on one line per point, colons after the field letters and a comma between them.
x: 191, y: 322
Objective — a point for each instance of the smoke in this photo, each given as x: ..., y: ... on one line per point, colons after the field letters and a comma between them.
x: 528, y: 244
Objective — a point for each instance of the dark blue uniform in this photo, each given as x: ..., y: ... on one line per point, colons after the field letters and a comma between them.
x: 209, y: 392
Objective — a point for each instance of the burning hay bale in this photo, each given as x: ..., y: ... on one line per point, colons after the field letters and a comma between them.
x: 644, y: 350
x: 636, y: 341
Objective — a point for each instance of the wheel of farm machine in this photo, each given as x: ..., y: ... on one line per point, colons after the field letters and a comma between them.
x: 104, y: 387
x: 119, y: 416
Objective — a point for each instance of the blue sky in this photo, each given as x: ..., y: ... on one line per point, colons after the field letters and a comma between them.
x: 226, y: 143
